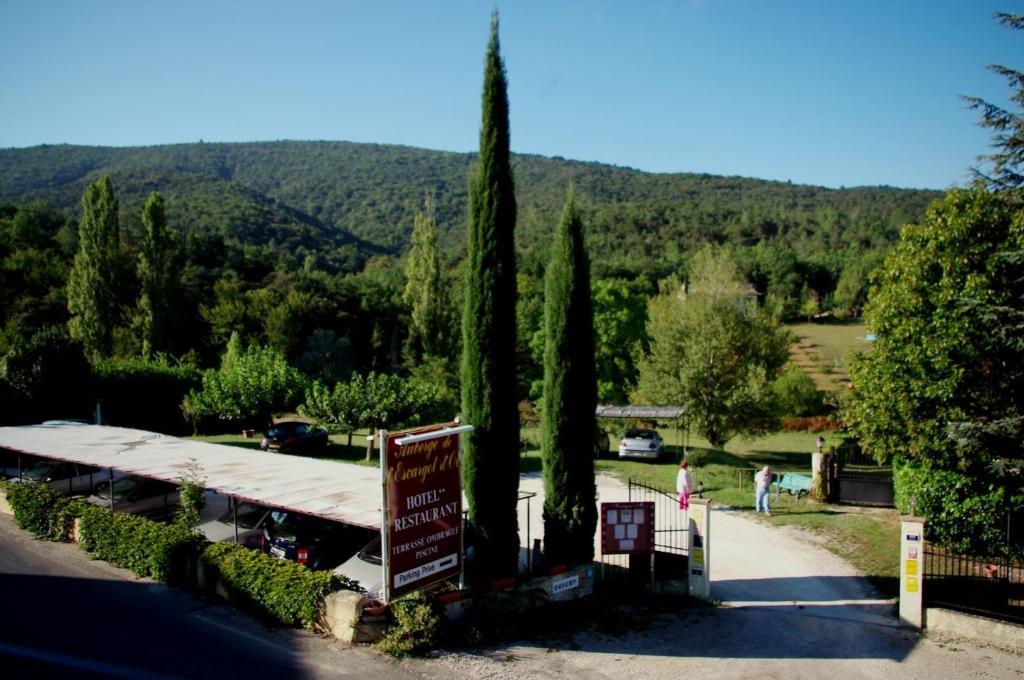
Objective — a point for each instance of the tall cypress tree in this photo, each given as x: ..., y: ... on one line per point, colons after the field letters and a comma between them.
x: 570, y: 397
x: 155, y: 277
x: 489, y: 401
x: 92, y: 290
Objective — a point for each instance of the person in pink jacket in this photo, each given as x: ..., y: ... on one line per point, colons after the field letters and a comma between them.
x: 684, y: 482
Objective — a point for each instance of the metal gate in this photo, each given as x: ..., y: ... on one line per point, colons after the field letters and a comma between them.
x: 858, y: 479
x: 671, y: 530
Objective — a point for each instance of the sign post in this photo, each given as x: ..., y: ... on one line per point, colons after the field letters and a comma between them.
x: 422, y: 484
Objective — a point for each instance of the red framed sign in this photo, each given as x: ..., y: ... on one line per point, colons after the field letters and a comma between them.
x: 627, y: 528
x: 423, y: 507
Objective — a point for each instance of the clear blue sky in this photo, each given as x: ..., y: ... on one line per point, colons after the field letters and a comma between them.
x: 830, y: 92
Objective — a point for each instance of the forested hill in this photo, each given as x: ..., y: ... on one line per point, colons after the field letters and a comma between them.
x: 368, y: 194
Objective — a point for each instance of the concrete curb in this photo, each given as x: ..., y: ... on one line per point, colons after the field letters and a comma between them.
x: 958, y: 624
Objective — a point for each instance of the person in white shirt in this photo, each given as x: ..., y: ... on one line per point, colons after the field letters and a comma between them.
x: 762, y: 490
x: 684, y: 482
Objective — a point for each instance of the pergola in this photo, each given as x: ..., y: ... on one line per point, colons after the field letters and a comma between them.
x: 672, y: 413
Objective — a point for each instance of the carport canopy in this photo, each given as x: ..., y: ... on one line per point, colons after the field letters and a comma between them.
x: 336, y: 491
x: 644, y: 412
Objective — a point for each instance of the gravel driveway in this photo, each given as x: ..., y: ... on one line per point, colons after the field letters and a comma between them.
x: 788, y: 609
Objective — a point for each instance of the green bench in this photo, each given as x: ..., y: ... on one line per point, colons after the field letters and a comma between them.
x: 793, y: 483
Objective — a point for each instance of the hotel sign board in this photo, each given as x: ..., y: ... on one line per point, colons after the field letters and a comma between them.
x: 422, y: 483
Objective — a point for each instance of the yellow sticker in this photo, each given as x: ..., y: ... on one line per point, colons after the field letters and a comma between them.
x: 911, y: 567
x: 697, y: 557
x: 912, y: 584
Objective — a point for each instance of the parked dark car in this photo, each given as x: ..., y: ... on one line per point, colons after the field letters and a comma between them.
x: 294, y: 436
x: 315, y: 542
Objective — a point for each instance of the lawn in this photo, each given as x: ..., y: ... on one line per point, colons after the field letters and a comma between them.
x: 823, y: 350
x: 337, y: 449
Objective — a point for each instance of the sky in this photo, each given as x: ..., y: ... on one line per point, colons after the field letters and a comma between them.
x: 825, y: 92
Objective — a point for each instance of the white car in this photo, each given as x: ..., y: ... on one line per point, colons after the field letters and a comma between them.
x: 641, y: 443
x: 365, y: 568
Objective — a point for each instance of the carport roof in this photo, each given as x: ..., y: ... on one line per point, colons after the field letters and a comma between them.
x: 653, y: 412
x: 332, y: 490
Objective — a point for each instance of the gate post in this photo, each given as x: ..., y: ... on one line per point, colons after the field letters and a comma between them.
x: 912, y: 571
x: 700, y: 523
x: 819, y: 476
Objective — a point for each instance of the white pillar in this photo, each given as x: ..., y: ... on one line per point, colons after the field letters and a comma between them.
x: 912, y: 571
x: 700, y: 525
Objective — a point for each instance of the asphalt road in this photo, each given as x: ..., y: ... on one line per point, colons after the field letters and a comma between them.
x: 66, y: 615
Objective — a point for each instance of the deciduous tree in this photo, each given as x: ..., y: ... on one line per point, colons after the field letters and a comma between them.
x: 715, y: 352
x: 92, y: 283
x: 156, y: 278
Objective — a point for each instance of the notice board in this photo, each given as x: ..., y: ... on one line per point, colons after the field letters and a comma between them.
x: 627, y: 528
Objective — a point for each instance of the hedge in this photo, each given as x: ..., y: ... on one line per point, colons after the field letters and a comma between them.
x: 146, y: 396
x: 288, y: 592
x: 283, y: 591
x: 965, y: 514
x: 40, y: 510
x: 160, y: 551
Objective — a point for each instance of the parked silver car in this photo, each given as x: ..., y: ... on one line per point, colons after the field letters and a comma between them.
x: 218, y: 521
x: 641, y: 443
x: 65, y: 478
x: 139, y: 496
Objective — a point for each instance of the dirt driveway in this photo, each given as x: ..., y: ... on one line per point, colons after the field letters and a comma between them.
x: 788, y: 609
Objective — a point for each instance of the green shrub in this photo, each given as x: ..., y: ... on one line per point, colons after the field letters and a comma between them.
x: 416, y: 627
x: 965, y: 514
x: 287, y: 592
x: 40, y: 510
x: 796, y: 395
x: 160, y: 551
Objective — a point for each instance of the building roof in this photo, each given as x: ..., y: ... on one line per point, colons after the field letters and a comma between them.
x: 650, y: 412
x: 336, y: 491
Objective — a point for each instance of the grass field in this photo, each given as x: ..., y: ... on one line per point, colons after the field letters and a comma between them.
x: 823, y: 350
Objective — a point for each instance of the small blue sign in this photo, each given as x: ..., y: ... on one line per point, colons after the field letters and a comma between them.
x: 913, y: 537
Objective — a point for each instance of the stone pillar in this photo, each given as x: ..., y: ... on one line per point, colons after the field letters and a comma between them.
x: 819, y: 476
x: 912, y: 571
x: 700, y: 524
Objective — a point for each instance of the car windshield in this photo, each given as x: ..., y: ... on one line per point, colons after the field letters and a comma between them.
x: 371, y: 553
x: 40, y: 471
x: 640, y: 434
x: 249, y: 514
x: 289, y: 526
x: 279, y: 430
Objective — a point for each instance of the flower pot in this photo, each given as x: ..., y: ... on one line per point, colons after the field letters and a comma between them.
x: 374, y: 608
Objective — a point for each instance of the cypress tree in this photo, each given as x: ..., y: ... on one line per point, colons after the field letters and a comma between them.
x: 570, y: 397
x: 155, y: 277
x: 92, y: 291
x: 489, y: 402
